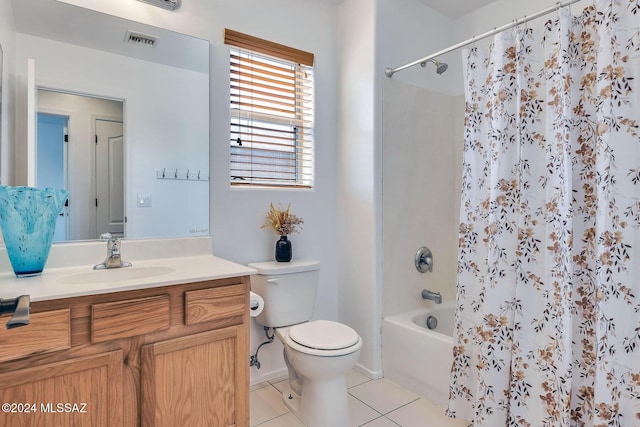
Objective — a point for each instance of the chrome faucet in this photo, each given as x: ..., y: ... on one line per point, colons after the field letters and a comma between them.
x: 433, y: 296
x: 113, y: 259
x: 20, y: 307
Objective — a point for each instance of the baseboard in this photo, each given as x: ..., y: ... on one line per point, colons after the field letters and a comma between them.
x: 261, y: 377
x: 374, y: 375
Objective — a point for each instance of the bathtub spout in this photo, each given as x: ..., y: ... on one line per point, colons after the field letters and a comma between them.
x: 433, y: 296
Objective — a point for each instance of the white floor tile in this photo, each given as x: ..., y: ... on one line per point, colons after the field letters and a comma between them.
x: 359, y: 413
x: 355, y: 378
x: 279, y: 378
x: 280, y: 385
x: 380, y: 422
x: 286, y: 420
x: 383, y: 395
x: 265, y: 404
x: 369, y: 400
x: 259, y: 385
x: 422, y: 413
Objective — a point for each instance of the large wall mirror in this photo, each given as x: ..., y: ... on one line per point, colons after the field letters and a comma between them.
x: 121, y: 119
x: 1, y: 55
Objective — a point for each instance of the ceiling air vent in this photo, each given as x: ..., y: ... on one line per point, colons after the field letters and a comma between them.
x: 165, y: 4
x: 141, y: 39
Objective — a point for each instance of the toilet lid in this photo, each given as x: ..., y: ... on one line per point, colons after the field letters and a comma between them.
x: 323, y: 335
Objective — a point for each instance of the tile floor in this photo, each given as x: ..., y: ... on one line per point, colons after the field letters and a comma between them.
x: 372, y: 403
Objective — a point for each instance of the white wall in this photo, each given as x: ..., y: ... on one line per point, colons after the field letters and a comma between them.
x: 502, y: 12
x: 236, y: 214
x: 373, y: 36
x: 7, y: 97
x: 419, y: 166
x: 407, y: 31
x: 153, y: 138
x: 358, y: 177
x: 419, y: 194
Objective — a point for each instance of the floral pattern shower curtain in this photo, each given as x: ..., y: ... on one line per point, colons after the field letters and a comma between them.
x: 548, y: 317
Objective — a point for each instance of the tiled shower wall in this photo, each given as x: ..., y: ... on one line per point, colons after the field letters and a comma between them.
x: 422, y: 156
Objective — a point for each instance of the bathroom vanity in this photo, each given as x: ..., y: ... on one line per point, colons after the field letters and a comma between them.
x: 162, y: 343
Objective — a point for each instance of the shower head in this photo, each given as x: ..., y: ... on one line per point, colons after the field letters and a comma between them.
x: 441, y: 67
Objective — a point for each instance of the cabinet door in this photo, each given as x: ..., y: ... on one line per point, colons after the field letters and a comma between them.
x: 197, y: 380
x: 80, y: 392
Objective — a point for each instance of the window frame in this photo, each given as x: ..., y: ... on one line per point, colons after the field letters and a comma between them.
x: 297, y: 117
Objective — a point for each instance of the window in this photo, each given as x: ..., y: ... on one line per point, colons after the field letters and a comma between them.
x: 271, y: 113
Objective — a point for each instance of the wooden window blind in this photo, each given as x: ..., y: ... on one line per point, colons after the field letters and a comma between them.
x: 271, y: 113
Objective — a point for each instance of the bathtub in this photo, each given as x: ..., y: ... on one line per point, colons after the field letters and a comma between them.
x: 417, y: 358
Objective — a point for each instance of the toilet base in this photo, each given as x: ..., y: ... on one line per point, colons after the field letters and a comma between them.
x: 325, y: 403
x: 291, y: 400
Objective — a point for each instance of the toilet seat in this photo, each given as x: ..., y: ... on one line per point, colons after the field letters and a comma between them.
x: 323, y: 335
x: 323, y: 338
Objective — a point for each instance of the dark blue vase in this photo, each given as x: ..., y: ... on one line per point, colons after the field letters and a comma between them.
x: 28, y: 219
x: 283, y: 249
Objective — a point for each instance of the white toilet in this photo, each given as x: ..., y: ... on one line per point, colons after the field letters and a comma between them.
x: 318, y: 353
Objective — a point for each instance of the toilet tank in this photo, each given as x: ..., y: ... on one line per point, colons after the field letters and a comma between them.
x: 288, y: 289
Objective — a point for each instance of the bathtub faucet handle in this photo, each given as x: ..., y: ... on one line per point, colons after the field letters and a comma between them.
x: 424, y: 259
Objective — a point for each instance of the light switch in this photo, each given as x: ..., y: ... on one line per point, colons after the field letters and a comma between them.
x: 144, y: 200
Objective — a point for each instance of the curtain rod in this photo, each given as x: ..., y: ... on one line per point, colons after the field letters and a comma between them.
x: 391, y: 71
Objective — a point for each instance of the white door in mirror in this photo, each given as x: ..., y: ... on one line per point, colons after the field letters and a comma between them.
x: 109, y: 176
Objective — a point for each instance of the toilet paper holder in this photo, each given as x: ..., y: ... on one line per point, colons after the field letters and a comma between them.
x: 256, y: 304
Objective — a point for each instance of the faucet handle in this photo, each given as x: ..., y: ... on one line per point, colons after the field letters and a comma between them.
x: 424, y: 259
x: 106, y: 236
x: 20, y: 307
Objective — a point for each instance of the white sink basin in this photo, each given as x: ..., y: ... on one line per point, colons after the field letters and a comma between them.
x: 114, y: 275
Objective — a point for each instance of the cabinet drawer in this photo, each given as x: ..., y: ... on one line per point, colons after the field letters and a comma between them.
x: 128, y: 318
x: 46, y: 332
x: 211, y: 304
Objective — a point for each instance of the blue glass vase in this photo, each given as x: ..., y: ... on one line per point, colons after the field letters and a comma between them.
x: 28, y: 219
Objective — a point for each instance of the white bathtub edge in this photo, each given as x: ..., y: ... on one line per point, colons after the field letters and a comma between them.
x: 417, y: 358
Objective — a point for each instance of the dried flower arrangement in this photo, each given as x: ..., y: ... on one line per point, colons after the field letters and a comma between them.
x: 282, y: 221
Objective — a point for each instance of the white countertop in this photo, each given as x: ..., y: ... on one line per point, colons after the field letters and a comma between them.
x: 156, y: 262
x: 65, y: 282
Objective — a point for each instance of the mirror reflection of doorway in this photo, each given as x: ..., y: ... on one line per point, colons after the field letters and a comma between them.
x: 51, y: 163
x: 109, y: 177
x: 94, y: 169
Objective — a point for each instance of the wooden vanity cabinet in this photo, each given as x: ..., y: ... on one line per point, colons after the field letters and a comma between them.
x: 169, y: 356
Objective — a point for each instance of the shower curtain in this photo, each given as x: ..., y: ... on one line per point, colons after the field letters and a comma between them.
x: 548, y: 315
